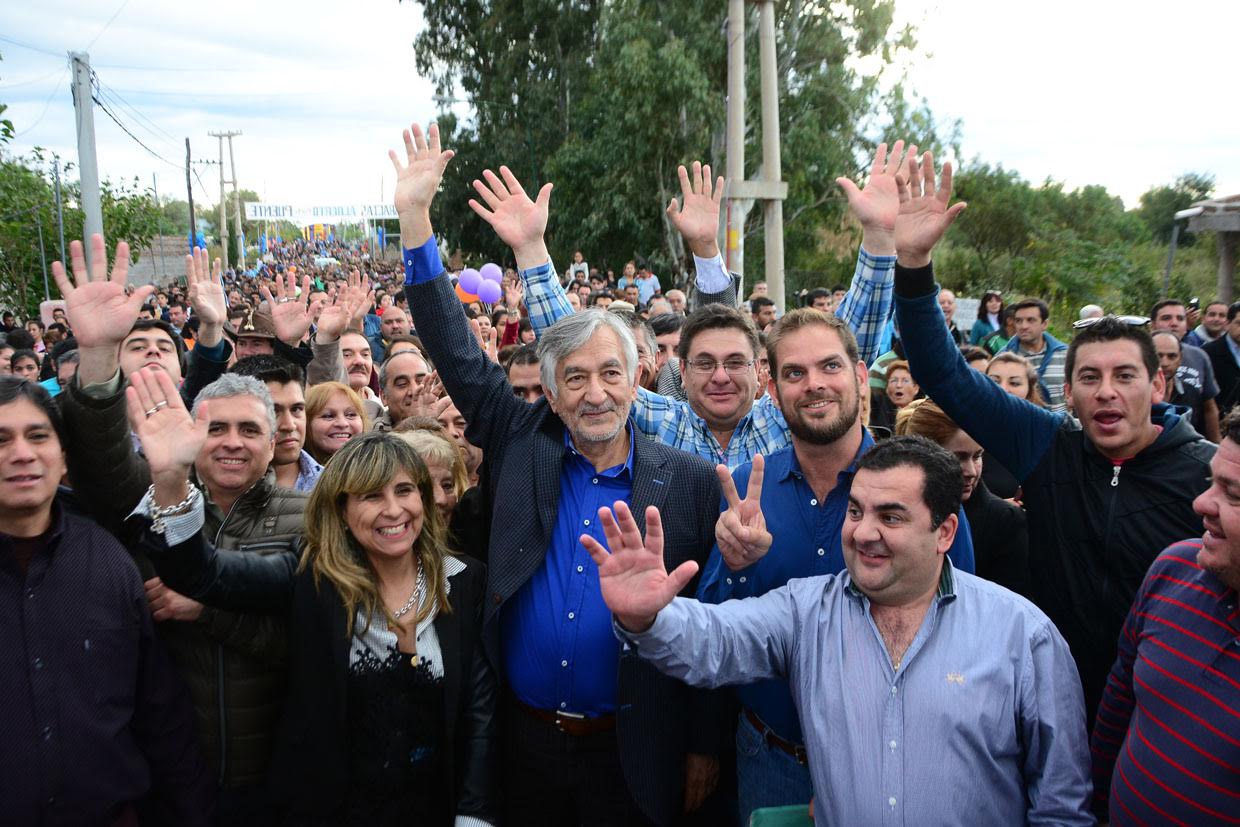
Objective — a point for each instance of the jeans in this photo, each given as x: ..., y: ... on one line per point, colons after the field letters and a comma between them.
x: 766, y: 776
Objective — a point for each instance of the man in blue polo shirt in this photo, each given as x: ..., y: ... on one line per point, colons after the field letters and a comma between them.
x: 817, y: 381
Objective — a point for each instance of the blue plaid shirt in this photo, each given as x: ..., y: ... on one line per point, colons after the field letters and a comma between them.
x: 866, y: 308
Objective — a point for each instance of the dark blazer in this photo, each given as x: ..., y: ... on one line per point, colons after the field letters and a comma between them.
x: 659, y: 719
x: 1000, y: 539
x: 1226, y: 373
x: 308, y: 768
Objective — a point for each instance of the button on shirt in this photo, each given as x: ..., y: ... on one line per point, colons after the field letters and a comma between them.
x: 983, y: 723
x: 559, y: 650
x: 806, y: 537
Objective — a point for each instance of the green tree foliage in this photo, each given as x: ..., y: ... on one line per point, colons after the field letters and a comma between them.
x: 1159, y: 205
x: 607, y: 99
x: 29, y: 203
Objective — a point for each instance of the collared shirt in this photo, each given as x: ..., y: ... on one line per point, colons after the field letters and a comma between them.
x: 92, y: 716
x: 982, y: 723
x: 309, y: 473
x: 558, y: 648
x: 807, y: 542
x: 866, y: 309
x: 1165, y: 742
x: 1052, y: 377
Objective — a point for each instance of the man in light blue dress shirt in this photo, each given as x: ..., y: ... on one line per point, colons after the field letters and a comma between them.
x: 926, y: 695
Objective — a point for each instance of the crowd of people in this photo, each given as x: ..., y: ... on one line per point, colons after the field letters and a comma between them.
x: 339, y: 545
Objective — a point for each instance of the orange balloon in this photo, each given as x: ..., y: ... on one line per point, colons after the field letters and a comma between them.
x: 465, y: 298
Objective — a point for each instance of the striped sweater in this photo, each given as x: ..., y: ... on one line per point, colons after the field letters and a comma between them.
x: 1166, y: 743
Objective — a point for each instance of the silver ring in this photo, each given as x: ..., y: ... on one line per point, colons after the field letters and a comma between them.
x: 152, y: 412
x: 283, y: 299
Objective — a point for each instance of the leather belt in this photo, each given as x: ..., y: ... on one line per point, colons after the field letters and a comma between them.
x: 797, y: 751
x: 570, y: 723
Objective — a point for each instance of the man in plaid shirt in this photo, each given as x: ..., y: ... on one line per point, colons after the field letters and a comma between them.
x: 721, y: 422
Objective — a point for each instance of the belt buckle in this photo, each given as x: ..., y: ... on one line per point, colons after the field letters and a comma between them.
x: 560, y: 717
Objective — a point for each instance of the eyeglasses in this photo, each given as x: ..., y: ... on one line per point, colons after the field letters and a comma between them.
x: 734, y: 367
x: 1131, y: 321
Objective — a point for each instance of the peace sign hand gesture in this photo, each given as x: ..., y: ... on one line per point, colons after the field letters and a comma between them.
x: 741, y: 530
x: 632, y: 577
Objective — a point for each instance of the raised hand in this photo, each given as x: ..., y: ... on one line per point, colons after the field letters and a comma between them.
x: 336, y: 314
x: 519, y: 222
x: 634, y: 583
x: 97, y: 307
x: 697, y: 218
x: 417, y: 181
x: 291, y: 314
x: 170, y: 437
x: 878, y: 205
x: 205, y: 288
x: 741, y: 530
x: 489, y: 342
x: 924, y: 215
x: 359, y: 286
x: 514, y: 294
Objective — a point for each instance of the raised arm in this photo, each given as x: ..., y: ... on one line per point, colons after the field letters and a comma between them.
x: 696, y: 217
x: 477, y: 385
x: 1017, y: 433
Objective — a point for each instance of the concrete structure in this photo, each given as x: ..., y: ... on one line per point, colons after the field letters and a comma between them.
x: 1222, y: 215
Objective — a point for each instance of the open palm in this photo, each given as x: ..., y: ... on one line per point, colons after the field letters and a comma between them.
x: 171, y: 438
x: 632, y: 578
x: 96, y: 305
x: 878, y: 205
x: 696, y: 215
x: 205, y: 289
x: 925, y: 213
x: 418, y: 179
x: 516, y: 219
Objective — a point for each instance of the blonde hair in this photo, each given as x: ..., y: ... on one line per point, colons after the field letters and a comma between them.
x: 366, y: 464
x: 317, y: 397
x: 922, y: 417
x: 438, y: 449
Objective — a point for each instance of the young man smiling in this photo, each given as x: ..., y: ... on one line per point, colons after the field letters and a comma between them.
x: 1103, y: 492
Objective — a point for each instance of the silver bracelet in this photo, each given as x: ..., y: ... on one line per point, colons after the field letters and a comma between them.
x: 161, y: 513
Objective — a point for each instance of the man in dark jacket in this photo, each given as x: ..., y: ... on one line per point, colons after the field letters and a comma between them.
x: 1224, y: 358
x: 233, y: 663
x: 592, y: 735
x: 1103, y: 494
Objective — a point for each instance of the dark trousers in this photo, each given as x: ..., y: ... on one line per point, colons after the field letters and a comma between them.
x: 553, y: 779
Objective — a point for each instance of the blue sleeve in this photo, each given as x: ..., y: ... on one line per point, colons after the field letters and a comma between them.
x: 961, y: 552
x: 1016, y: 432
x: 422, y: 264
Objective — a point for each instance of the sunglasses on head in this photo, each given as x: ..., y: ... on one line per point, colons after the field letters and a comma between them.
x: 1131, y: 321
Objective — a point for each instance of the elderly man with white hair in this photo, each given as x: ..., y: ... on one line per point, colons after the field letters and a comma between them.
x: 1091, y: 311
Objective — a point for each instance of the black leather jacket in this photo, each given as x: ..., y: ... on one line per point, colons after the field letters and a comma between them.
x: 308, y: 772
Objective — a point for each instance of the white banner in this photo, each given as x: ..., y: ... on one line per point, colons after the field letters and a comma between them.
x: 324, y: 214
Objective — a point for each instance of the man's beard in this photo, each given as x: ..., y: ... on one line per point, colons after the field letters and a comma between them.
x: 827, y: 431
x: 622, y: 415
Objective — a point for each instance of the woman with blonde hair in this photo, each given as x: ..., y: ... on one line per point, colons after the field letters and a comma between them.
x: 391, y: 701
x: 334, y: 415
x: 449, y: 479
x: 1000, y: 538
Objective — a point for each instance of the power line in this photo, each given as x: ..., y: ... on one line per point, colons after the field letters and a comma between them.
x: 144, y: 122
x: 28, y: 82
x: 115, y: 14
x: 107, y: 111
x: 31, y: 48
x: 47, y: 104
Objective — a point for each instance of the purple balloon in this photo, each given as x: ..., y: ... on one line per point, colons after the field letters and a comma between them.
x: 469, y: 280
x: 492, y: 272
x: 489, y: 292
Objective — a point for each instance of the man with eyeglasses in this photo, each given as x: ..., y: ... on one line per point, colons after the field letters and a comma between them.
x: 1105, y: 491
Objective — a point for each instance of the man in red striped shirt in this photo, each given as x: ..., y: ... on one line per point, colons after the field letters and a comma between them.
x: 1166, y: 743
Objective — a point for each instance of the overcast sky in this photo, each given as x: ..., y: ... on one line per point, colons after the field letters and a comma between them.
x: 1088, y: 91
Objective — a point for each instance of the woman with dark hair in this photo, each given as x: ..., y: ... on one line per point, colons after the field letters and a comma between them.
x: 989, y: 317
x: 997, y: 527
x: 390, y: 712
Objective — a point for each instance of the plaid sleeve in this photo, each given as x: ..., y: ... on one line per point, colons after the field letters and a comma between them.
x: 544, y: 297
x: 868, y: 304
x: 653, y: 413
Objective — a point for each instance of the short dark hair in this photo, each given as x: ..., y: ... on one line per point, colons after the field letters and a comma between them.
x: 23, y: 353
x: 268, y: 368
x: 943, y: 486
x: 1211, y: 304
x: 1180, y: 346
x: 176, y: 303
x: 13, y: 388
x: 665, y: 323
x: 39, y: 322
x: 1159, y: 305
x: 759, y: 302
x: 715, y: 317
x: 1232, y: 310
x: 1044, y: 309
x: 159, y: 324
x: 839, y: 288
x: 596, y: 295
x: 1113, y: 329
x: 523, y: 355
x: 1230, y: 426
x: 972, y: 353
x: 19, y: 339
x: 817, y: 293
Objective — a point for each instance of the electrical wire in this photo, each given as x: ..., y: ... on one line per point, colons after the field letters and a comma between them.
x: 107, y: 111
x: 47, y: 104
x: 111, y: 19
x: 152, y: 128
x: 28, y: 82
x: 31, y: 48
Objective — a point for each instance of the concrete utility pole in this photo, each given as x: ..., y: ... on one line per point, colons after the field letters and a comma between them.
x: 88, y: 166
x: 232, y: 161
x: 60, y: 213
x: 223, y: 219
x: 160, y: 221
x: 768, y: 189
x: 189, y: 194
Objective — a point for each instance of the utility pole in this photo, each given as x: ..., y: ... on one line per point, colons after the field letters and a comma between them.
x: 232, y: 161
x: 159, y: 220
x: 768, y: 189
x: 189, y: 192
x: 60, y: 213
x: 222, y: 220
x: 88, y: 167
